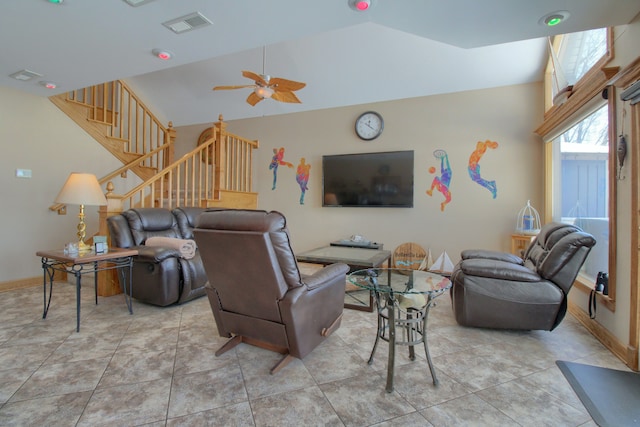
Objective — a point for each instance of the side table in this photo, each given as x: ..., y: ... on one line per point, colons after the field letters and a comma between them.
x: 520, y: 242
x: 403, y: 298
x: 85, y: 263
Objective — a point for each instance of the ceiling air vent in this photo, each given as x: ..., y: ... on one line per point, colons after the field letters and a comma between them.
x: 187, y: 23
x: 24, y: 75
x: 136, y: 3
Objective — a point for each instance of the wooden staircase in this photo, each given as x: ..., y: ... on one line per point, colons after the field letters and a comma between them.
x: 217, y: 173
x: 116, y: 118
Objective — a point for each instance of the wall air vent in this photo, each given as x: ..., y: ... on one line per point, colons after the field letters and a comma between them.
x: 24, y: 75
x: 187, y: 23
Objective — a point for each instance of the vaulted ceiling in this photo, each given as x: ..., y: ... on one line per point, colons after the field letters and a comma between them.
x: 397, y: 49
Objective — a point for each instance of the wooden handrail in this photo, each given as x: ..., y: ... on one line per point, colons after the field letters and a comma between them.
x: 121, y: 170
x: 128, y: 118
x: 222, y: 163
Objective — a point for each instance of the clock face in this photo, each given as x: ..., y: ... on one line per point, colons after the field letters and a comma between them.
x: 369, y: 125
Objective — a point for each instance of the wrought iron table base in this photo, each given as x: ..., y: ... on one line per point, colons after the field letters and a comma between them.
x: 413, y: 327
x: 50, y: 266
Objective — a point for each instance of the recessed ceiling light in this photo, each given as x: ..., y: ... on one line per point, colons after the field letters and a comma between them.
x: 554, y: 18
x: 165, y: 55
x: 55, y: 1
x: 360, y: 5
x: 49, y: 85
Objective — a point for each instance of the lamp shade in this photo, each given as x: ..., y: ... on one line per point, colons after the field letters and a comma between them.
x: 81, y: 189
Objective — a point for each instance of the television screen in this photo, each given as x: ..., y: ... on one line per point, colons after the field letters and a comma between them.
x: 368, y: 179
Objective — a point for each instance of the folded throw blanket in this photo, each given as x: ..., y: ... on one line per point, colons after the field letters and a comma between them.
x: 187, y: 247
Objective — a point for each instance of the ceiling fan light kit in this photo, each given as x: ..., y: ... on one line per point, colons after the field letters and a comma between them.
x: 263, y: 92
x: 266, y: 87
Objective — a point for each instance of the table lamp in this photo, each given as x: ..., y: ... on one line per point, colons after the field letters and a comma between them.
x: 82, y: 189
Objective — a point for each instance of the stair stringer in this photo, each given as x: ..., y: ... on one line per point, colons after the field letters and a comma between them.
x: 99, y: 131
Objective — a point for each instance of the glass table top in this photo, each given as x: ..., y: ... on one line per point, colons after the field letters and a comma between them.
x: 347, y: 255
x: 400, y: 281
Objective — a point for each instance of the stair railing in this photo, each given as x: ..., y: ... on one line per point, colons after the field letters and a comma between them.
x: 121, y: 171
x: 128, y: 119
x: 221, y: 164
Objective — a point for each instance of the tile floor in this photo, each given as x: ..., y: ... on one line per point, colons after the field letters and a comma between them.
x: 157, y: 368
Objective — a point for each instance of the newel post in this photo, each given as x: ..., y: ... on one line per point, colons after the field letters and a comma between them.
x: 170, y: 138
x: 108, y: 283
x: 220, y: 154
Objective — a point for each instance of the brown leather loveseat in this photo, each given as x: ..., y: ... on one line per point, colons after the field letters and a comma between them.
x: 499, y: 290
x: 161, y: 276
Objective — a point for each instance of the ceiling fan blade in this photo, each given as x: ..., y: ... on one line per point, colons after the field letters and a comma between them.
x: 286, y: 97
x: 279, y: 84
x: 255, y: 77
x: 253, y: 99
x: 232, y: 87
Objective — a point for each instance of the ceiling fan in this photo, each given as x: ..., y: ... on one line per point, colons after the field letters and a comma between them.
x: 266, y: 86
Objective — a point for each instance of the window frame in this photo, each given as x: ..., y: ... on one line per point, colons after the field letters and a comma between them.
x: 562, y: 117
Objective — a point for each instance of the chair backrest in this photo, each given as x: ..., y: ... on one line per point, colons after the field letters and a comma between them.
x: 186, y: 217
x: 151, y: 222
x: 558, y: 252
x: 248, y: 259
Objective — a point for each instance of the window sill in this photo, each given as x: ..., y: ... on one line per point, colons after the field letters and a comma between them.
x: 604, y: 300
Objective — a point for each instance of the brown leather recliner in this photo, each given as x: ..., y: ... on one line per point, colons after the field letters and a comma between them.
x: 160, y: 275
x: 255, y: 288
x: 499, y: 290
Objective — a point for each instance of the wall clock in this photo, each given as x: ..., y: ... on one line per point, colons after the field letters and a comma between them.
x: 369, y: 125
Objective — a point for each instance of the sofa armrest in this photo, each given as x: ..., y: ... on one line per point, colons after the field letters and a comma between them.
x: 326, y: 275
x: 487, y: 254
x: 498, y: 270
x: 155, y: 253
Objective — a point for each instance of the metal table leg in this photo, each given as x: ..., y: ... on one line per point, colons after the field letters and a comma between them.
x: 392, y: 341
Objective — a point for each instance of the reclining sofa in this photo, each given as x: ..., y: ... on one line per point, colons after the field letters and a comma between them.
x: 161, y: 276
x: 503, y: 291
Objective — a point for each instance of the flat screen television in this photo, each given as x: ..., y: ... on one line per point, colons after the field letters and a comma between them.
x: 382, y: 179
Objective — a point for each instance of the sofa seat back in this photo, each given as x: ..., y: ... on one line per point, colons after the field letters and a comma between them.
x: 160, y: 275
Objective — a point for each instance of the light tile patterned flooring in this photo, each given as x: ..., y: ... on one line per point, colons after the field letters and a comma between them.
x: 157, y: 368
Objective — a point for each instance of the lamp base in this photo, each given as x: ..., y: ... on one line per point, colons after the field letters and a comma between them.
x: 83, y: 247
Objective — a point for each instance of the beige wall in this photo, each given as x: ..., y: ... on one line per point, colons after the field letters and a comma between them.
x: 36, y: 135
x: 453, y: 122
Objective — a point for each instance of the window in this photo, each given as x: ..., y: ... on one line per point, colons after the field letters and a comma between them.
x: 579, y: 52
x: 580, y: 163
x: 581, y: 184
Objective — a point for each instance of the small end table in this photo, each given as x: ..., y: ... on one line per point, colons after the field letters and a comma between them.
x: 85, y: 263
x: 403, y: 298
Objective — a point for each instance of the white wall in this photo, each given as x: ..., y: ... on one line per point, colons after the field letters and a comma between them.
x: 453, y: 122
x: 36, y: 135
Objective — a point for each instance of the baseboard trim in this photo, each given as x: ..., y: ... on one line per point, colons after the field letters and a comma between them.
x: 607, y: 339
x: 20, y: 284
x: 30, y: 282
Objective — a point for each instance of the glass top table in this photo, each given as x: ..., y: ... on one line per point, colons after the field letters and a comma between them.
x: 403, y: 300
x: 355, y: 297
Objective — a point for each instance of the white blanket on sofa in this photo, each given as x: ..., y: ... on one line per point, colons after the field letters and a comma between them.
x: 187, y: 247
